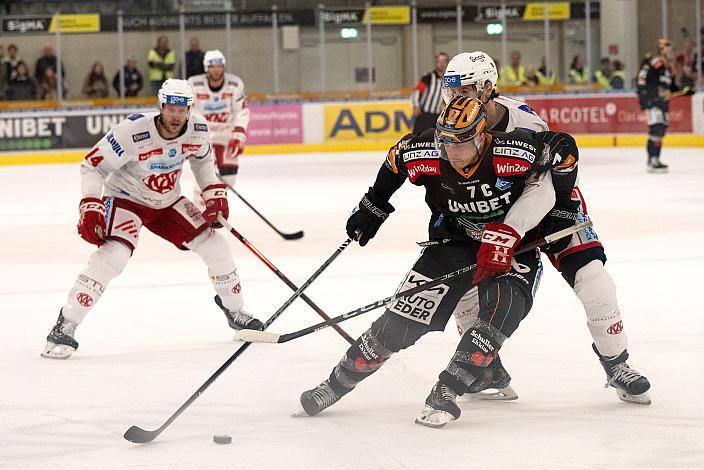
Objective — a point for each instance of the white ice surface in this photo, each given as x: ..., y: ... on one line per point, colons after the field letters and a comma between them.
x: 156, y: 335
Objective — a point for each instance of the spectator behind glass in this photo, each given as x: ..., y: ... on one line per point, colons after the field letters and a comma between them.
x: 133, y: 79
x: 578, y: 74
x: 194, y: 59
x: 618, y: 78
x: 47, y: 60
x: 22, y: 87
x: 47, y: 87
x: 162, y: 62
x: 95, y: 84
x: 5, y: 71
x: 13, y: 58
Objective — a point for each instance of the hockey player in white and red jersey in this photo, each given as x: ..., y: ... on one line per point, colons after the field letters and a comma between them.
x: 580, y: 259
x: 221, y: 99
x: 130, y: 180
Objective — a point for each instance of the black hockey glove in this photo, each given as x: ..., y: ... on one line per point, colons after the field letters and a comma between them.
x: 367, y: 217
x: 562, y: 216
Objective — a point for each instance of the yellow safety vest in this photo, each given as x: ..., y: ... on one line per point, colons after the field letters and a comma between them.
x: 510, y: 78
x: 156, y: 74
x: 545, y: 80
x: 602, y: 80
x: 579, y: 78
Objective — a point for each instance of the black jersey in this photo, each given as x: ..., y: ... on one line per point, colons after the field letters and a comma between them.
x: 654, y: 78
x: 461, y: 202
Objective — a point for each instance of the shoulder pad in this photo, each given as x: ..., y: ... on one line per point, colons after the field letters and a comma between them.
x: 134, y: 117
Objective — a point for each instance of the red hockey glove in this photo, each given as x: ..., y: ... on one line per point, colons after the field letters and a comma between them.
x: 91, y: 222
x: 215, y: 197
x: 236, y: 144
x: 495, y: 253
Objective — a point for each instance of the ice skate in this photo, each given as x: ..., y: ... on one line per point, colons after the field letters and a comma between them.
x: 495, y: 378
x: 317, y: 399
x: 60, y: 343
x: 239, y: 320
x: 630, y: 385
x: 656, y: 166
x: 440, y: 407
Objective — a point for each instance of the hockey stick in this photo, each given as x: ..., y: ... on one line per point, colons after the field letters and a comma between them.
x: 286, y: 236
x: 140, y: 436
x: 281, y: 276
x: 256, y: 336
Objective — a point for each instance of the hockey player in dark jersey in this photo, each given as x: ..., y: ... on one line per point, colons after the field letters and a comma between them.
x: 472, y: 178
x: 656, y: 86
x: 580, y: 258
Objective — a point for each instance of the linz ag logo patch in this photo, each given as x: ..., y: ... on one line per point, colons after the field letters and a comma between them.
x: 510, y: 166
x: 418, y: 154
x: 140, y: 137
x: 515, y: 153
x: 200, y: 127
x: 423, y: 167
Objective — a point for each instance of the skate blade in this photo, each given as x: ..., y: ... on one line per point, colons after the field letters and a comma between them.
x: 300, y: 413
x: 642, y: 399
x: 502, y: 394
x: 57, y: 351
x: 655, y: 170
x: 433, y: 418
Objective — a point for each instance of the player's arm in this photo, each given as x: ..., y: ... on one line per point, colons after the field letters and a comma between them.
x: 564, y: 155
x: 239, y: 122
x: 203, y: 165
x: 110, y: 153
x: 374, y: 208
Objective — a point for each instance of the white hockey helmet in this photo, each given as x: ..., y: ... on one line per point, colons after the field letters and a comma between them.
x: 468, y: 68
x: 175, y: 91
x: 214, y: 57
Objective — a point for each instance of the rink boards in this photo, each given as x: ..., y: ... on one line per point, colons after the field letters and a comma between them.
x: 596, y: 120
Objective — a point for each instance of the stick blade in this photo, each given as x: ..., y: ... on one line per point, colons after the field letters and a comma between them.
x: 140, y: 436
x: 256, y: 336
x: 293, y: 236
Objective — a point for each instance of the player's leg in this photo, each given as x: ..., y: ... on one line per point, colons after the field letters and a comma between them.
x: 597, y: 291
x: 657, y: 126
x: 228, y: 164
x: 494, y: 376
x: 122, y: 226
x: 503, y: 302
x: 183, y: 225
x: 399, y: 327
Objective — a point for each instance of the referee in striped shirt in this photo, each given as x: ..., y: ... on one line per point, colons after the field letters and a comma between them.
x: 427, y: 98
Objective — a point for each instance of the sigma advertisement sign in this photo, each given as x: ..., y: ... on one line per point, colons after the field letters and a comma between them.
x: 606, y: 114
x: 373, y: 121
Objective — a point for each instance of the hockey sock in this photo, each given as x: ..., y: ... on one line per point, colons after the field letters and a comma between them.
x: 477, y: 348
x: 597, y: 292
x: 215, y: 252
x: 103, y: 265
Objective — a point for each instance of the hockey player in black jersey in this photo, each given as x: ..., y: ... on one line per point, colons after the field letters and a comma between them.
x: 471, y: 178
x: 656, y: 86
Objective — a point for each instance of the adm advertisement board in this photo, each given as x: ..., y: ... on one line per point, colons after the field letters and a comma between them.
x: 369, y: 121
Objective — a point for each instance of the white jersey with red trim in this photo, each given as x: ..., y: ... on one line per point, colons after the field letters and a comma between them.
x: 134, y: 162
x: 520, y: 114
x: 224, y: 109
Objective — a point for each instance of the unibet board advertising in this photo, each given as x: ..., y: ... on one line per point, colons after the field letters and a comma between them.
x: 372, y: 121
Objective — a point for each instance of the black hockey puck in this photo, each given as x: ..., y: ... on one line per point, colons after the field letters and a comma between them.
x: 222, y: 439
